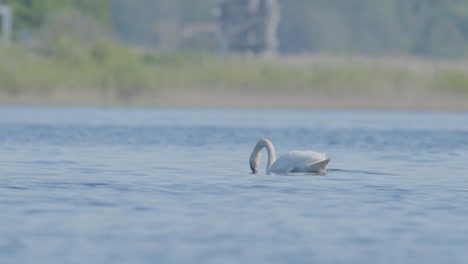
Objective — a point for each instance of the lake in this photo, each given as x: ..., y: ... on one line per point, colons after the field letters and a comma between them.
x: 173, y: 185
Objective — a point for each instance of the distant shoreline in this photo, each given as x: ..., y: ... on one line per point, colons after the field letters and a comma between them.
x: 236, y: 99
x: 191, y: 79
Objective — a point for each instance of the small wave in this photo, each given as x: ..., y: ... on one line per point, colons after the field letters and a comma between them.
x: 363, y: 172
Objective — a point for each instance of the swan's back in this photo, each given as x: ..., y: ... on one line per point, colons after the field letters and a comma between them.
x: 291, y: 160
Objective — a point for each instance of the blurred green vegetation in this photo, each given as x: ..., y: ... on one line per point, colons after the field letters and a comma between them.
x: 32, y: 14
x: 110, y: 67
x: 454, y: 80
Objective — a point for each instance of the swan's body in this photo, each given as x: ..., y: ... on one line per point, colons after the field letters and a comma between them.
x: 293, y: 161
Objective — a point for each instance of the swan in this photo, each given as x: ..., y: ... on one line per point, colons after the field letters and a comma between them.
x: 293, y: 161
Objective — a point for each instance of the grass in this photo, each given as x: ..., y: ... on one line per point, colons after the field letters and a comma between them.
x: 106, y: 67
x: 452, y: 80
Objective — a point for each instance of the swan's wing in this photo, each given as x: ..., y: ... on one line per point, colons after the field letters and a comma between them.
x: 291, y: 160
x: 308, y: 155
x: 317, y: 167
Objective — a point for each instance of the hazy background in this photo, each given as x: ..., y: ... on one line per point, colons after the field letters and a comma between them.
x: 117, y: 50
x: 410, y: 27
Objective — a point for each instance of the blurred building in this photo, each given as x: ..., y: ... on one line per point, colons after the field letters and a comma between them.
x: 248, y: 25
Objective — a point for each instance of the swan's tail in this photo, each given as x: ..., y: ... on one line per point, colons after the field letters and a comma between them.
x: 319, y: 167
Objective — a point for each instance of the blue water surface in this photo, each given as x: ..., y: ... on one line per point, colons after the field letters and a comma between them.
x: 173, y: 185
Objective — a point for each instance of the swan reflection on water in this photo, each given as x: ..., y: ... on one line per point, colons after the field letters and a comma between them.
x: 293, y: 161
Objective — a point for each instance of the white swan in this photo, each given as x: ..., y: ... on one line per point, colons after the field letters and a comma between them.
x: 293, y: 161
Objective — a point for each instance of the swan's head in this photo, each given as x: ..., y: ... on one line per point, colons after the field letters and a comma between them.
x: 254, y: 164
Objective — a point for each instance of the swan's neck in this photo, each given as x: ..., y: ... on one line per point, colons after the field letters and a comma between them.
x: 257, y: 153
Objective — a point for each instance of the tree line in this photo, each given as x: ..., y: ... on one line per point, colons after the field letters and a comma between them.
x: 437, y: 28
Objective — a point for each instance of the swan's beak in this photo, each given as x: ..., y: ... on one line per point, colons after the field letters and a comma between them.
x: 253, y: 162
x: 254, y: 170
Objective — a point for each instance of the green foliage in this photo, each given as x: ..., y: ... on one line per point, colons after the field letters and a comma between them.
x: 452, y: 80
x: 111, y: 68
x: 22, y: 71
x: 31, y: 14
x: 68, y: 33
